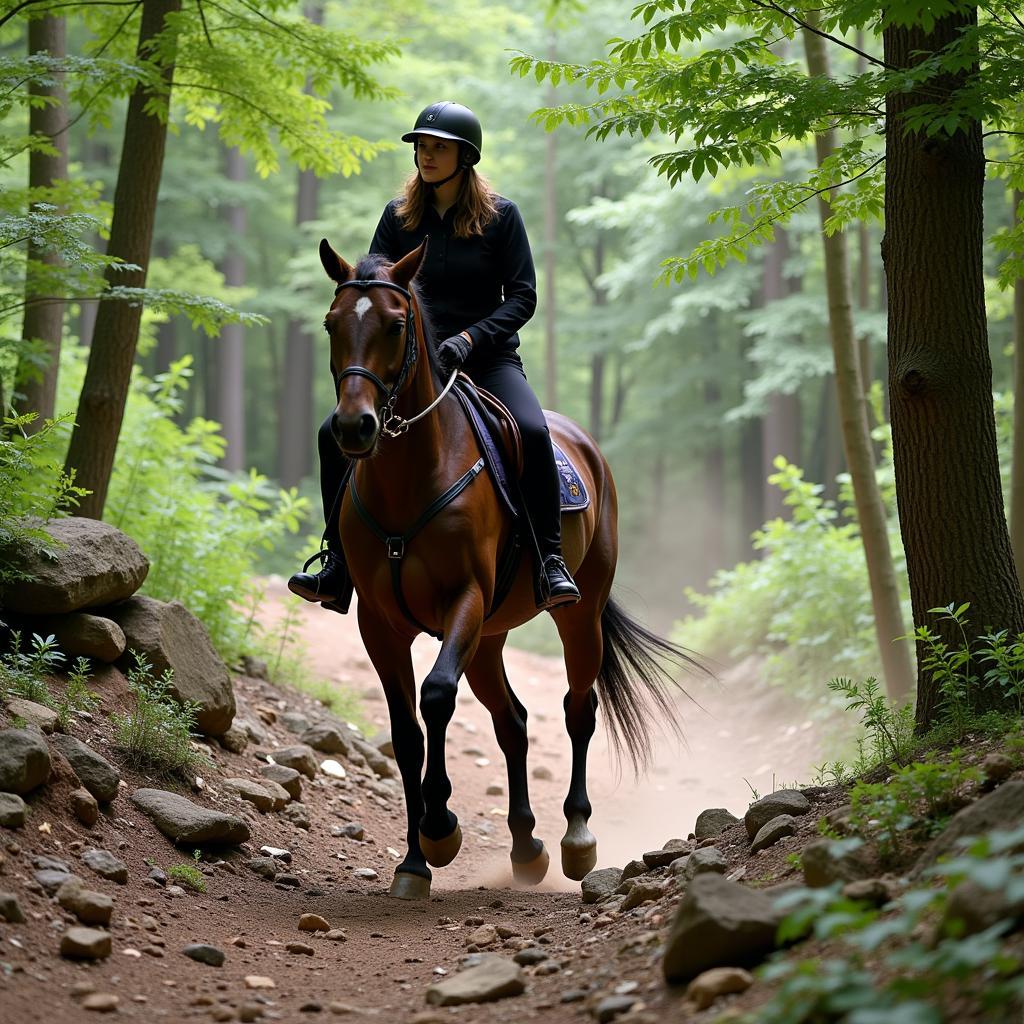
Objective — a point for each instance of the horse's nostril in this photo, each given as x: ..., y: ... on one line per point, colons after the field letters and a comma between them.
x: 367, y: 426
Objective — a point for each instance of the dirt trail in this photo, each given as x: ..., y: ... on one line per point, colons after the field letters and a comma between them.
x: 394, y: 950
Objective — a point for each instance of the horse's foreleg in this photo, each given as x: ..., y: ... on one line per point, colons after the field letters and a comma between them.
x: 440, y: 836
x: 389, y: 653
x: 579, y: 628
x: 486, y: 675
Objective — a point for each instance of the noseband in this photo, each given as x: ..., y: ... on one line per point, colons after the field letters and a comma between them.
x: 391, y: 424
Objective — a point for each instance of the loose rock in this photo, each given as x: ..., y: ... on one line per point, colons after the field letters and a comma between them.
x: 495, y: 978
x: 313, y: 923
x: 85, y: 944
x: 298, y: 815
x: 24, y: 760
x: 641, y: 892
x: 719, y: 981
x: 43, y: 718
x: 259, y: 981
x: 543, y: 773
x: 278, y: 794
x: 328, y: 738
x: 299, y: 757
x: 10, y: 908
x: 705, y: 861
x: 719, y: 923
x: 94, y: 771
x: 12, y: 810
x: 633, y: 869
x: 101, y: 1002
x: 776, y: 829
x: 88, y: 906
x: 235, y: 739
x: 106, y: 865
x: 288, y: 778
x: 185, y: 822
x: 485, y: 935
x: 266, y: 867
x: 672, y: 850
x: 613, y: 1006
x: 204, y: 953
x: 299, y: 948
x: 712, y: 822
x: 599, y: 883
x: 826, y: 861
x: 89, y: 636
x: 530, y: 956
x: 84, y: 807
x: 366, y: 873
x: 785, y: 801
x: 251, y: 791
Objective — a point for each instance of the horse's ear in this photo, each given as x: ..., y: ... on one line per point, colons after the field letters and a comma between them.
x: 405, y: 269
x: 337, y: 269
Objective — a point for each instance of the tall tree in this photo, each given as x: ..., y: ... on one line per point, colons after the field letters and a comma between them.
x: 48, y: 165
x: 230, y: 346
x: 853, y: 414
x: 1017, y: 465
x: 104, y: 392
x: 940, y: 375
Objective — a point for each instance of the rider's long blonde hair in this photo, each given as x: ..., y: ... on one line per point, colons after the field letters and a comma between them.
x: 475, y: 206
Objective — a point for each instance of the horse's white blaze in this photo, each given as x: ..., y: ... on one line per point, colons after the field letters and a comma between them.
x: 362, y: 305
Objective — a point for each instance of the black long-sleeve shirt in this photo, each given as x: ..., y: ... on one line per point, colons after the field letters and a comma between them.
x: 485, y: 285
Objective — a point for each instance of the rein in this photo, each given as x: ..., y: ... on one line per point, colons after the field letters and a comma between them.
x: 391, y: 424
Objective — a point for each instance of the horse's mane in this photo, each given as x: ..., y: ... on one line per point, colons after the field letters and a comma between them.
x: 370, y: 268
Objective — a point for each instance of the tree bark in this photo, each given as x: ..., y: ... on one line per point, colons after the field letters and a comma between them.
x: 44, y: 321
x: 780, y: 433
x: 108, y: 374
x: 1017, y: 470
x: 940, y: 374
x: 231, y: 342
x: 856, y: 432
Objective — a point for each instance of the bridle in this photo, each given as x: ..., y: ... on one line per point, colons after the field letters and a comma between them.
x: 391, y: 424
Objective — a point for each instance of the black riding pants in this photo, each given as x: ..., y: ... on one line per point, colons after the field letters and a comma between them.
x: 504, y: 377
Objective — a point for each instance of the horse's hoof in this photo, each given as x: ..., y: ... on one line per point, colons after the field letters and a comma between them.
x: 578, y: 860
x: 533, y: 871
x: 407, y: 886
x: 440, y: 852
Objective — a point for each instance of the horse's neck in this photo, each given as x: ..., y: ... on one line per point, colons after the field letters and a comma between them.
x: 414, y: 466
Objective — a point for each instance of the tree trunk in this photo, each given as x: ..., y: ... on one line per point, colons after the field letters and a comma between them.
x: 943, y: 427
x: 107, y: 377
x: 867, y: 374
x: 44, y: 321
x: 713, y: 545
x: 231, y: 343
x: 597, y: 362
x: 781, y: 427
x: 853, y: 416
x: 1017, y: 470
x: 295, y: 422
x: 550, y: 253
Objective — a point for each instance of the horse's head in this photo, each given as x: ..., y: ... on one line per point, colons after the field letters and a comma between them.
x: 373, y: 342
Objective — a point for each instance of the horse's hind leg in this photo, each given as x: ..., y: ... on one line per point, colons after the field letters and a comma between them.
x: 390, y: 655
x: 487, y: 678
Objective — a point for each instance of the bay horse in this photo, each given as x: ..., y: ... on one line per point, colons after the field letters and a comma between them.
x: 422, y: 538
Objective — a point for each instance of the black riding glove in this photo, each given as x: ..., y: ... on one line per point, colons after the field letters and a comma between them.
x: 452, y: 353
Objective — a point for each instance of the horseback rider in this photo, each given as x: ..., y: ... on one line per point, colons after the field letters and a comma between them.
x: 478, y: 281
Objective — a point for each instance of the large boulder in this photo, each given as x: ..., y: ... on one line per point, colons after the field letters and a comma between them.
x: 24, y: 760
x: 92, y: 564
x: 171, y: 637
x: 83, y: 635
x: 94, y: 771
x: 719, y: 924
x: 185, y: 822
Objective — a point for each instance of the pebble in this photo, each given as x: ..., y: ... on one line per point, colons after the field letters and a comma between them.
x: 10, y: 908
x: 530, y: 956
x: 259, y: 981
x: 543, y: 773
x: 265, y: 867
x: 313, y: 923
x: 158, y: 875
x: 100, y: 1002
x: 311, y: 1007
x: 719, y: 981
x: 106, y: 865
x: 250, y: 1012
x: 287, y: 882
x: 366, y: 873
x: 485, y: 935
x: 277, y: 853
x: 337, y: 935
x: 203, y: 953
x: 333, y: 768
x: 300, y: 948
x: 84, y: 807
x: 12, y: 810
x: 495, y: 790
x: 573, y: 995
x: 613, y: 1006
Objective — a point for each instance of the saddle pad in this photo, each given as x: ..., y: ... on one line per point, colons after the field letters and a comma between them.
x: 573, y: 490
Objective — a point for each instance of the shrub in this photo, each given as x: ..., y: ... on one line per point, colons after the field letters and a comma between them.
x: 22, y: 672
x: 157, y: 735
x: 805, y: 605
x: 188, y: 875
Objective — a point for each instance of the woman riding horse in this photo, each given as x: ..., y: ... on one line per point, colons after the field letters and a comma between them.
x: 479, y: 281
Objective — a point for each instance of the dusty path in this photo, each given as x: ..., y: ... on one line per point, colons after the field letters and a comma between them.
x: 393, y: 950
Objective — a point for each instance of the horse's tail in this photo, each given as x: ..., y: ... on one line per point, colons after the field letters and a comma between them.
x: 634, y: 685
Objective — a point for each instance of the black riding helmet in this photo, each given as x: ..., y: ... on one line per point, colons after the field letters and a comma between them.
x: 448, y: 120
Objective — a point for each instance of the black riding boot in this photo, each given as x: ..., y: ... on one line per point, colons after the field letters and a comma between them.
x: 330, y: 587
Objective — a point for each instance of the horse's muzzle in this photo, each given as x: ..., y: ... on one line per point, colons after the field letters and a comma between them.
x: 356, y: 434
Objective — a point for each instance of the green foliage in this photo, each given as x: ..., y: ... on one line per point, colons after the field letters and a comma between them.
x: 912, y: 805
x: 889, y: 730
x: 22, y: 673
x: 188, y: 875
x: 76, y: 696
x: 804, y: 606
x: 896, y: 966
x: 156, y: 736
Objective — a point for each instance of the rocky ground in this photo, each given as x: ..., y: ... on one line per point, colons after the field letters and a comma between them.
x: 295, y: 922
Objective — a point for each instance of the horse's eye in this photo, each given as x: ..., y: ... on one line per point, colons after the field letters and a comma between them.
x: 397, y: 326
